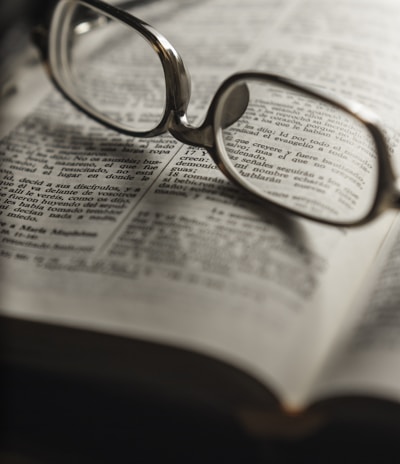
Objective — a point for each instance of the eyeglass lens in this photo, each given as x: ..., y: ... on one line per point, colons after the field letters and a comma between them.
x: 111, y: 69
x: 302, y: 153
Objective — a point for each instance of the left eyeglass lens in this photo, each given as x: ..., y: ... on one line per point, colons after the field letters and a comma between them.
x: 108, y: 67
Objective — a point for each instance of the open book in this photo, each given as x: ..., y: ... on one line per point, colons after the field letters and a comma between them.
x: 216, y: 296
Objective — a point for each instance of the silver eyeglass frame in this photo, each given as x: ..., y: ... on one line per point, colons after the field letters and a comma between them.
x: 231, y: 94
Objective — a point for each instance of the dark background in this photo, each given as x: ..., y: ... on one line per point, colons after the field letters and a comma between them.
x: 13, y: 12
x: 71, y: 396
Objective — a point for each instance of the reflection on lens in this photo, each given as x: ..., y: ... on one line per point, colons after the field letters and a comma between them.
x: 301, y: 153
x: 111, y: 69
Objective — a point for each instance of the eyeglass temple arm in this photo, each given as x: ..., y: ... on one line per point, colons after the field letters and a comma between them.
x: 125, y: 5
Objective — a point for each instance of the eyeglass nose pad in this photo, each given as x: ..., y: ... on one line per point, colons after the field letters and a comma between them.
x: 235, y: 104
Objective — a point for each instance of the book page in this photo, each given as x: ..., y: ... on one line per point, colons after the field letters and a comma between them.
x: 145, y: 237
x: 341, y: 48
x: 334, y: 48
x: 366, y: 360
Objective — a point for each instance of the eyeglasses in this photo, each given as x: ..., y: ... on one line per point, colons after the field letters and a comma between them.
x: 287, y: 145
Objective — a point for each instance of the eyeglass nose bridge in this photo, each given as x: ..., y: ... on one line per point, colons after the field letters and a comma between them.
x: 235, y: 103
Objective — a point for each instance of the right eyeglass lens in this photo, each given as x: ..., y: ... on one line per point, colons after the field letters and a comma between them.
x: 107, y: 67
x: 300, y: 152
